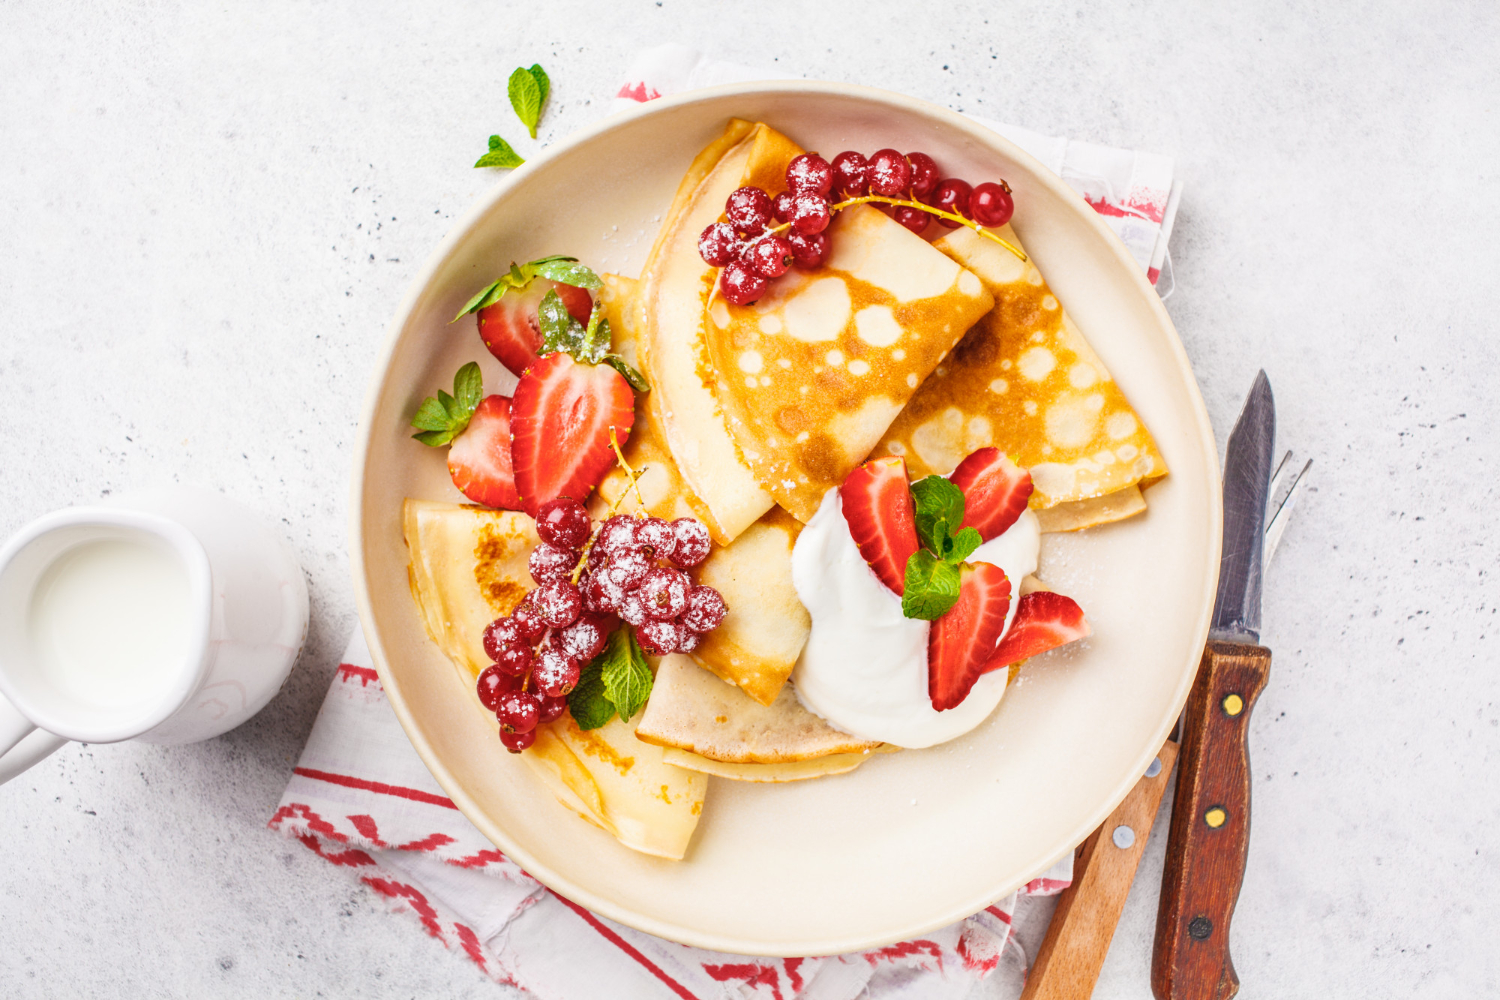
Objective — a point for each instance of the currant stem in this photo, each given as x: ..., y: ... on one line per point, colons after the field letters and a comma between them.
x: 906, y: 203
x: 614, y: 443
x: 634, y: 476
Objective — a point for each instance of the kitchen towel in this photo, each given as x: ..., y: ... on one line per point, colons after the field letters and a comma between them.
x: 361, y: 798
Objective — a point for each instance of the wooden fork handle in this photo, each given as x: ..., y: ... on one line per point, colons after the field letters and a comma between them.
x: 1210, y: 831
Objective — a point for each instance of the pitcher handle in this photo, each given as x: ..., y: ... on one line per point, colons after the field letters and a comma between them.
x: 21, y: 743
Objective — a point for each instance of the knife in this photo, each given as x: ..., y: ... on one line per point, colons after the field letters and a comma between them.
x: 1210, y: 831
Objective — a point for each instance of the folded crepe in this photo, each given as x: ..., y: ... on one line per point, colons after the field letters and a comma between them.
x: 468, y: 567
x: 797, y: 770
x: 782, y: 398
x: 1025, y: 380
x: 694, y: 712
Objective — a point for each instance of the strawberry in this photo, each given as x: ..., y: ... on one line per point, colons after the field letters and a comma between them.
x: 561, y: 416
x: 1043, y: 621
x: 878, y: 507
x: 510, y: 329
x: 995, y: 491
x: 961, y: 642
x: 479, y: 458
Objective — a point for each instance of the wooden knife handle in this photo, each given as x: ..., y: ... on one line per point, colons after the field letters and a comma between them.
x: 1068, y: 962
x: 1210, y: 830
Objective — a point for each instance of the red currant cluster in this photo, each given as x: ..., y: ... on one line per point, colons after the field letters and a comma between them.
x: 752, y: 251
x: 539, y: 649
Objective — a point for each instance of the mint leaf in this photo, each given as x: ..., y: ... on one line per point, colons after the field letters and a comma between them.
x: 542, y: 83
x: 636, y: 379
x: 526, y: 98
x: 442, y: 418
x: 964, y: 544
x: 568, y: 271
x: 500, y: 155
x: 931, y: 586
x: 560, y: 331
x: 590, y: 708
x: 627, y: 678
x: 939, y: 512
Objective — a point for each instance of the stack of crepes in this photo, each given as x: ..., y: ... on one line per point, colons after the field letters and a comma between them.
x: 896, y: 346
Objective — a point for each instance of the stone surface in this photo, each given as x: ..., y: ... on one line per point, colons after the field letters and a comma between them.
x: 207, y: 216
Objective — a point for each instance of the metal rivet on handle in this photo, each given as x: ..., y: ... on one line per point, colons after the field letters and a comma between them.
x: 1153, y: 768
x: 1233, y: 704
x: 1215, y: 817
x: 1200, y: 928
x: 1124, y: 837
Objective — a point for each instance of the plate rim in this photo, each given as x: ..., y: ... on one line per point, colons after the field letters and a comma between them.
x: 562, y: 885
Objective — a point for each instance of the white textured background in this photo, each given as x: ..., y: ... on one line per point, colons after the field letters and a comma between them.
x: 207, y: 216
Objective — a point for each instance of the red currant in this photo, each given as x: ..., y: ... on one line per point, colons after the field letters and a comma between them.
x: 556, y: 673
x: 808, y: 251
x: 633, y: 608
x: 990, y: 204
x: 781, y: 206
x: 693, y: 542
x: 584, y: 639
x: 770, y: 257
x: 558, y: 603
x: 549, y: 562
x: 912, y: 218
x: 890, y: 174
x: 616, y: 535
x: 748, y: 210
x: 851, y: 173
x: 502, y: 634
x: 493, y: 684
x: 809, y: 172
x: 665, y: 592
x: 656, y: 538
x: 810, y: 213
x: 688, y: 640
x: 516, y: 742
x: 563, y: 522
x: 515, y: 661
x: 951, y: 195
x: 718, y: 245
x: 659, y: 636
x: 551, y: 709
x: 706, y: 609
x: 601, y: 597
x: 528, y: 619
x: 924, y: 175
x: 739, y: 284
x: 626, y: 570
x: 518, y: 712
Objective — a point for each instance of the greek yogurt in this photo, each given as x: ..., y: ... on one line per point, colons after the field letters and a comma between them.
x: 864, y: 668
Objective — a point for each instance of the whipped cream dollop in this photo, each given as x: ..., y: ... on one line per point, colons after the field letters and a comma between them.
x: 864, y: 668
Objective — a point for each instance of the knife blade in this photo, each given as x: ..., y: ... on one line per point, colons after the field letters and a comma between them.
x: 1210, y: 830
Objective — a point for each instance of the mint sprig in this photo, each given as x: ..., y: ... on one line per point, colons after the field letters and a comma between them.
x: 932, y: 572
x: 587, y: 344
x: 500, y: 155
x: 617, y: 680
x: 442, y: 418
x: 528, y: 92
x: 566, y: 270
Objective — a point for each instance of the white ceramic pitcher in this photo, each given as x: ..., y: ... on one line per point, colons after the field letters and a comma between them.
x: 236, y: 622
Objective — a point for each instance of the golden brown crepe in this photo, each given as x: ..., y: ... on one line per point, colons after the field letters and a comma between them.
x: 1025, y: 380
x: 468, y: 567
x: 798, y: 770
x: 692, y: 710
x: 810, y: 376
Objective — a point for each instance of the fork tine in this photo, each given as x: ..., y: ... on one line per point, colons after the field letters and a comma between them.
x: 1276, y: 493
x: 1276, y: 526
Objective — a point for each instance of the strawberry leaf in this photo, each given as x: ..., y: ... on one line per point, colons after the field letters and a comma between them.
x: 526, y: 98
x: 636, y: 379
x: 590, y: 708
x: 627, y: 678
x: 442, y: 418
x: 560, y: 331
x: 931, y: 586
x: 500, y: 155
x: 567, y: 271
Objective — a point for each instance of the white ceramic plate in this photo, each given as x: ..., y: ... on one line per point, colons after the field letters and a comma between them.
x: 910, y: 841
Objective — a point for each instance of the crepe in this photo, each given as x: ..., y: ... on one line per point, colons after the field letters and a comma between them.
x: 810, y: 375
x: 1025, y: 380
x: 468, y: 567
x: 801, y: 770
x: 692, y: 710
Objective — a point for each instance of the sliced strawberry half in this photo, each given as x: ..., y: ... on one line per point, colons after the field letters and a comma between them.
x: 559, y: 429
x: 878, y: 507
x: 1044, y: 620
x: 510, y: 329
x: 479, y: 459
x: 995, y: 491
x: 960, y: 643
